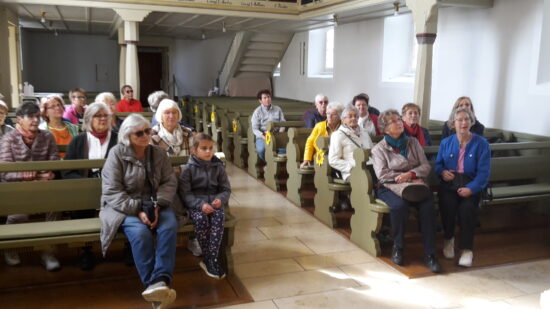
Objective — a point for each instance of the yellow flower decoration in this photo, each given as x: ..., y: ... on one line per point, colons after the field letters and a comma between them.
x: 196, y: 109
x: 268, y: 138
x: 234, y: 125
x: 320, y: 157
x: 183, y: 103
x: 213, y: 117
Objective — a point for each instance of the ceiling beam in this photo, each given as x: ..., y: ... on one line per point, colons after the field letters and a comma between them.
x: 158, y: 21
x: 482, y: 4
x: 213, y: 21
x: 184, y: 22
x: 33, y: 17
x: 115, y: 24
x: 88, y: 17
x: 62, y: 18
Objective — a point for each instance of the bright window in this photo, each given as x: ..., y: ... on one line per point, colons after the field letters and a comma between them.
x: 400, y: 49
x: 277, y: 71
x: 320, y: 54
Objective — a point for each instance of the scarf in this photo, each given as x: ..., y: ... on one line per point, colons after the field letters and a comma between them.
x: 28, y: 137
x: 398, y: 144
x: 356, y: 131
x: 415, y: 131
x: 173, y: 140
x: 101, y: 136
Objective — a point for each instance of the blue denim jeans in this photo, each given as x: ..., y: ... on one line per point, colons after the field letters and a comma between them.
x: 260, y: 148
x: 153, y: 261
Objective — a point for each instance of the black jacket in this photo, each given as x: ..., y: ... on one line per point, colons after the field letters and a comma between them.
x: 78, y: 149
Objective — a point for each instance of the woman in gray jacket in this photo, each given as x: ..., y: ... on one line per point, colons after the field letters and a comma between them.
x: 138, y: 186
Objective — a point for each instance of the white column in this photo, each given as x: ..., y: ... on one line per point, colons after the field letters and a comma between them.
x: 131, y: 20
x: 424, y: 14
x: 122, y: 62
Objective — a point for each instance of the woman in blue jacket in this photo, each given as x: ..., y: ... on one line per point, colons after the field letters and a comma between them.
x: 463, y: 164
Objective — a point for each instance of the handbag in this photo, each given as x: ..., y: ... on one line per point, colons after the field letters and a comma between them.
x: 410, y: 191
x: 460, y: 181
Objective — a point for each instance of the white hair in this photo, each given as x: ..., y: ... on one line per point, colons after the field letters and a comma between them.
x: 337, y: 106
x: 347, y: 109
x: 132, y: 122
x: 320, y: 96
x: 102, y: 97
x: 155, y: 98
x: 165, y: 105
x: 89, y: 113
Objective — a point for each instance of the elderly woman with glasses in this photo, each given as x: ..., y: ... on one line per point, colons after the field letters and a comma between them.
x: 94, y: 143
x: 4, y: 127
x: 345, y: 140
x: 75, y: 112
x: 51, y: 109
x: 109, y: 99
x: 323, y: 128
x: 28, y: 143
x: 138, y: 189
x: 401, y: 166
x: 463, y: 164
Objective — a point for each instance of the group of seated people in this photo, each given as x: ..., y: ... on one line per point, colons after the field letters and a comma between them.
x: 401, y: 166
x: 143, y: 196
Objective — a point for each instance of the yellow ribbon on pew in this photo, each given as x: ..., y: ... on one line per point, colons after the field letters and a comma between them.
x: 268, y: 138
x: 213, y: 117
x: 196, y: 109
x: 235, y: 126
x: 320, y: 157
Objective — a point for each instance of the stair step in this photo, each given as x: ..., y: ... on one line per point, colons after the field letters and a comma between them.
x: 265, y: 46
x: 271, y: 38
x: 256, y: 68
x: 261, y: 61
x: 262, y: 54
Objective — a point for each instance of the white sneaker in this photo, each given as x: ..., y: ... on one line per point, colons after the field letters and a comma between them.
x: 50, y: 261
x: 466, y: 258
x: 170, y: 298
x: 12, y: 258
x: 194, y: 247
x: 449, y: 248
x: 156, y: 292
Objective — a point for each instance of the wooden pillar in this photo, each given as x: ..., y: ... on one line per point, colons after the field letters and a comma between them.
x: 131, y: 19
x: 424, y: 14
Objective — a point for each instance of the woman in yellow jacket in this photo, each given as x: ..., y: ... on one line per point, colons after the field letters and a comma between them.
x: 323, y: 128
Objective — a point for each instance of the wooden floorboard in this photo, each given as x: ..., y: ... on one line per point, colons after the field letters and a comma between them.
x: 110, y: 285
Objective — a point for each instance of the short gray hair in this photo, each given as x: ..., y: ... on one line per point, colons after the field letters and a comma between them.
x: 165, y: 105
x: 89, y: 113
x: 132, y: 122
x: 385, y: 117
x: 102, y: 97
x: 452, y: 117
x: 347, y: 109
x: 155, y: 98
x: 337, y: 106
x: 320, y: 96
x: 3, y: 105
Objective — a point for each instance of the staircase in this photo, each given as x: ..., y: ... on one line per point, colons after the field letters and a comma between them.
x: 253, y: 57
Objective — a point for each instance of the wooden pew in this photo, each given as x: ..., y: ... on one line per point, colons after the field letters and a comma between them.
x: 274, y: 160
x: 520, y: 178
x: 297, y: 177
x: 327, y: 187
x: 60, y: 195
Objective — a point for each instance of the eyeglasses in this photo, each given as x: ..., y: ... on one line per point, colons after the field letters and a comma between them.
x: 101, y: 116
x: 79, y: 97
x: 323, y: 102
x: 142, y: 132
x: 129, y: 91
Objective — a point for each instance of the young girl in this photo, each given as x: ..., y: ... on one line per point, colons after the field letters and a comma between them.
x: 205, y: 189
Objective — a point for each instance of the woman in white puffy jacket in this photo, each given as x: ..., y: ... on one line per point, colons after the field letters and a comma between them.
x: 345, y: 140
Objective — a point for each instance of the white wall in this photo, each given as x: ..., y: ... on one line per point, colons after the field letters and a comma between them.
x: 197, y: 63
x: 66, y: 61
x: 490, y: 55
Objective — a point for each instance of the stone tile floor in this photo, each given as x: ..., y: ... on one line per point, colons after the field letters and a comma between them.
x: 288, y: 259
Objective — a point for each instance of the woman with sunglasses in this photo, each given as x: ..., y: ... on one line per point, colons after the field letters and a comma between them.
x: 127, y: 103
x: 51, y: 110
x: 94, y: 143
x: 138, y: 186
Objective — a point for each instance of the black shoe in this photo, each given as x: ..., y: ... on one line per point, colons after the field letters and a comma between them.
x: 128, y: 257
x: 397, y: 256
x: 431, y: 262
x: 87, y: 260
